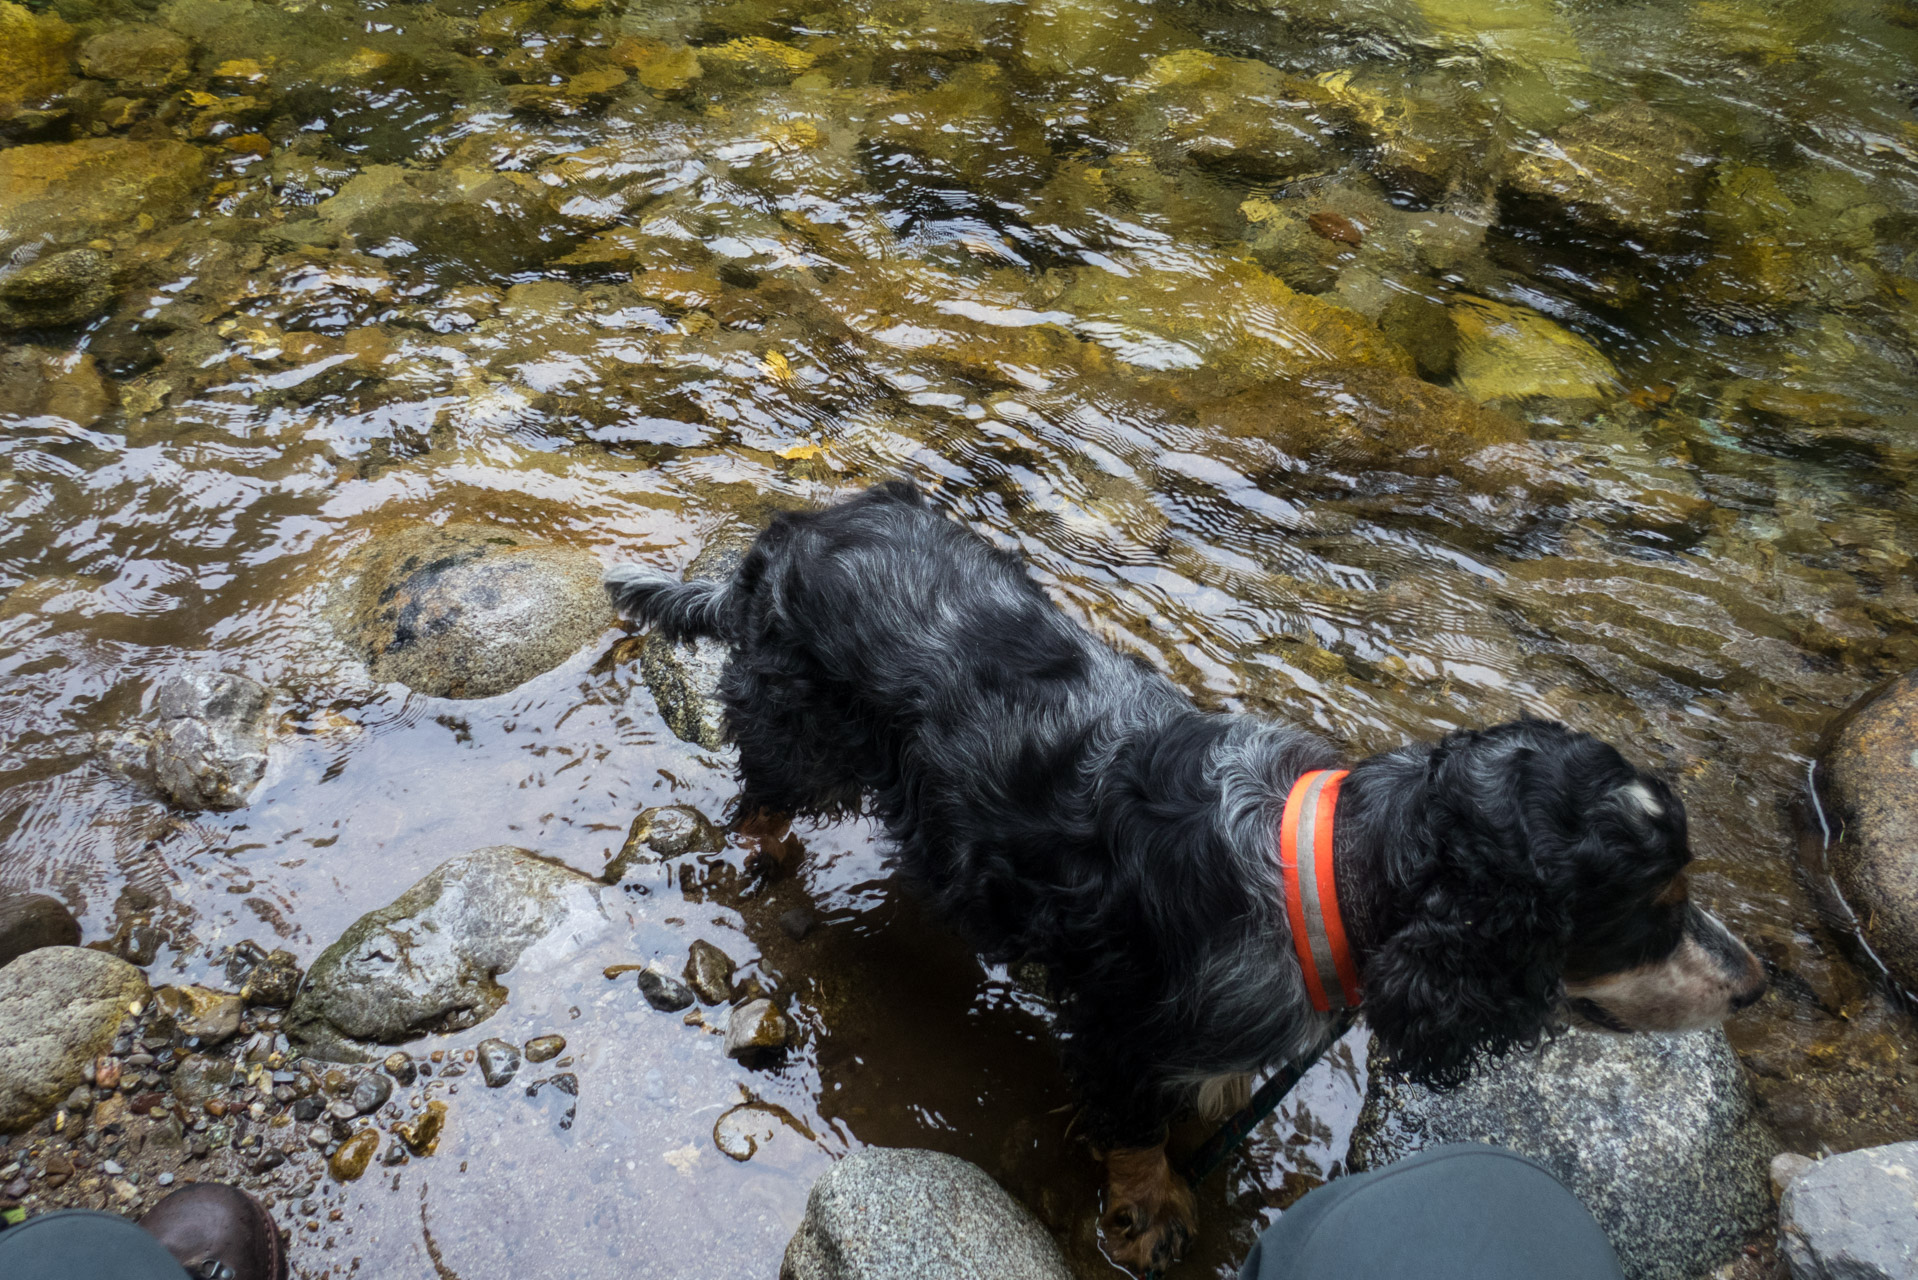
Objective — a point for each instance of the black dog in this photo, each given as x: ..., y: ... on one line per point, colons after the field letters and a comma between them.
x: 1067, y: 805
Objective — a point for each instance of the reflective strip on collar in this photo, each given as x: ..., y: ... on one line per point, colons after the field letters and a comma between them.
x: 1311, y: 891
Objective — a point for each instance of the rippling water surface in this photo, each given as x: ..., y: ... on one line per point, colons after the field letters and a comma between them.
x: 1385, y: 367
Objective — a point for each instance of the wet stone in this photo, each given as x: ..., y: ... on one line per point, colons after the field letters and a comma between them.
x: 881, y: 1214
x: 1853, y: 1216
x: 758, y: 1028
x: 1632, y: 169
x: 544, y: 1048
x: 200, y: 1013
x: 70, y: 193
x: 422, y: 1133
x: 274, y: 982
x: 33, y: 54
x: 1238, y: 115
x: 350, y: 1161
x: 684, y: 678
x: 430, y: 960
x: 742, y: 1131
x: 466, y: 611
x: 498, y: 1062
x: 58, y: 290
x: 675, y: 829
x: 200, y: 1078
x: 399, y: 1066
x: 371, y: 1093
x: 797, y: 923
x: 1864, y: 836
x: 663, y: 991
x: 709, y: 971
x: 137, y: 55
x: 29, y: 921
x: 60, y: 1008
x: 1621, y: 1120
x: 208, y: 749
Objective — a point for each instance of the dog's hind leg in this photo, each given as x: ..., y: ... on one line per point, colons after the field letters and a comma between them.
x: 678, y: 610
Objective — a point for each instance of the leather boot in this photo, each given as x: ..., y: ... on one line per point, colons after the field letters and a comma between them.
x: 218, y: 1232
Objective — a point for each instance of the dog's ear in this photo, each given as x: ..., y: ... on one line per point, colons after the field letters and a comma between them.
x: 1473, y: 963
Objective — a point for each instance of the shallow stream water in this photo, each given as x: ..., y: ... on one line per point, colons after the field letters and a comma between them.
x: 1155, y: 295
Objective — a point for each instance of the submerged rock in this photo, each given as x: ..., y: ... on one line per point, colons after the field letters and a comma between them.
x: 138, y: 56
x: 274, y: 981
x: 1864, y: 836
x: 33, y: 56
x: 498, y: 1062
x: 545, y: 1048
x: 432, y: 959
x: 60, y: 1008
x: 1507, y: 353
x: 200, y: 1013
x: 1238, y: 115
x: 1853, y: 1216
x: 742, y: 1131
x: 208, y: 750
x: 889, y: 1214
x: 684, y: 678
x: 30, y: 921
x: 1632, y: 170
x: 709, y: 971
x: 663, y: 991
x: 465, y: 223
x: 61, y: 289
x: 72, y: 192
x: 467, y: 611
x: 357, y: 1152
x: 758, y: 1029
x: 1657, y: 1135
x: 370, y: 1093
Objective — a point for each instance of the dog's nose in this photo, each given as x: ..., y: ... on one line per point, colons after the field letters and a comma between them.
x: 1749, y: 997
x: 1757, y: 982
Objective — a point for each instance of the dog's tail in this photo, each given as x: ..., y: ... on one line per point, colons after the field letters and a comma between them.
x: 678, y: 610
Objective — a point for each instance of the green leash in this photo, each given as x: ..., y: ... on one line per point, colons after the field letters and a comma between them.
x: 1264, y: 1102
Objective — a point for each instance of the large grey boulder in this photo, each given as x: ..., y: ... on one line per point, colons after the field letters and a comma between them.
x: 1656, y: 1134
x: 1864, y: 826
x: 30, y: 921
x: 59, y: 1008
x: 887, y: 1214
x: 1854, y: 1216
x: 684, y: 678
x: 467, y: 611
x: 432, y: 960
x: 208, y: 749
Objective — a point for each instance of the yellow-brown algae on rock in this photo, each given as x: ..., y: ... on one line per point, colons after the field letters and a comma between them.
x: 350, y: 1161
x: 422, y: 1133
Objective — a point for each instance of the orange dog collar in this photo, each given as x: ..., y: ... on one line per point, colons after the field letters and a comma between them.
x: 1312, y: 891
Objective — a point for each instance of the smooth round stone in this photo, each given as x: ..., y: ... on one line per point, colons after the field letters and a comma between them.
x: 663, y: 991
x: 371, y: 1093
x: 545, y: 1048
x: 709, y: 971
x: 29, y: 921
x: 467, y: 611
x: 60, y: 1008
x: 350, y: 1161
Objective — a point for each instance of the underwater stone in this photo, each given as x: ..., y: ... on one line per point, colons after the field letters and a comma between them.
x: 1237, y: 115
x: 758, y: 1028
x: 498, y: 1062
x: 138, y: 56
x: 709, y: 971
x: 432, y: 959
x: 1508, y: 353
x: 33, y: 56
x: 466, y: 611
x: 69, y: 193
x: 1633, y: 169
x: 29, y: 921
x: 663, y: 991
x: 61, y: 289
x: 208, y: 750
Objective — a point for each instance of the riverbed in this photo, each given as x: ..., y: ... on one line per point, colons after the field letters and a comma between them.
x: 1384, y: 366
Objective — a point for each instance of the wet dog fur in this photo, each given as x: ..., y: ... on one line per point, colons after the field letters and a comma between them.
x: 1065, y: 804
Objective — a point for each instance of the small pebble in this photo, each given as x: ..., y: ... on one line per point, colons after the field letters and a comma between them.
x: 400, y: 1067
x: 544, y: 1048
x: 371, y: 1093
x: 498, y: 1062
x: 112, y: 1168
x: 797, y: 923
x: 663, y: 991
x: 709, y: 971
x: 342, y: 1109
x: 166, y: 1179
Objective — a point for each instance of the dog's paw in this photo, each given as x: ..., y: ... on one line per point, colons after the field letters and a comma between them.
x: 1150, y: 1213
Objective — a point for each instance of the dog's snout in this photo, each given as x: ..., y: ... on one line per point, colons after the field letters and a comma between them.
x: 1751, y: 994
